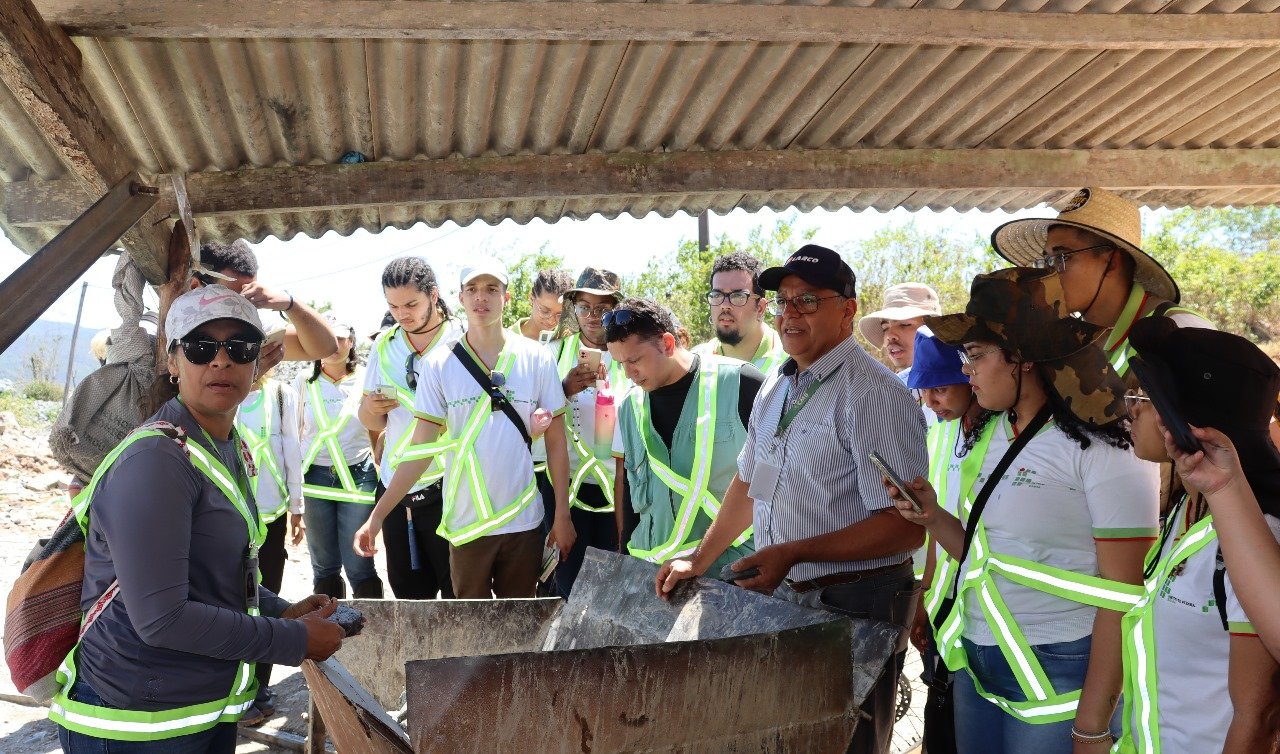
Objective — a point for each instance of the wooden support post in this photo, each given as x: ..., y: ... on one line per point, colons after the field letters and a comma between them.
x: 30, y: 289
x: 315, y: 728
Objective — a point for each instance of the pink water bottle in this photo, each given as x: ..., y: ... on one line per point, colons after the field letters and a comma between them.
x: 606, y: 419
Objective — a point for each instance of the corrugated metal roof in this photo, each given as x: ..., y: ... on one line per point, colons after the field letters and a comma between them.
x: 189, y: 105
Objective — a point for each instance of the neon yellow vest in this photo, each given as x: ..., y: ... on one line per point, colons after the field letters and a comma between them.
x: 327, y: 438
x: 589, y: 466
x: 264, y: 457
x: 394, y: 376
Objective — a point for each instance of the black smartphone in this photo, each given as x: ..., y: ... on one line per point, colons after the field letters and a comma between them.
x: 1161, y: 396
x: 883, y: 465
x: 728, y: 574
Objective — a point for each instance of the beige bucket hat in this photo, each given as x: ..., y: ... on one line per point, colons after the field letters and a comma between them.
x: 902, y: 301
x: 1098, y: 211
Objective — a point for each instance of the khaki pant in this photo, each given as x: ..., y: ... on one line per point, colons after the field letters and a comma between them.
x: 500, y: 565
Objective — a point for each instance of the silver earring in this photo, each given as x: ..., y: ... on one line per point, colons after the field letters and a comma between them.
x: 173, y: 379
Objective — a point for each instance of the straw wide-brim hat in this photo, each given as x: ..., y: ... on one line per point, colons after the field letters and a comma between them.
x: 1098, y: 211
x: 1023, y: 310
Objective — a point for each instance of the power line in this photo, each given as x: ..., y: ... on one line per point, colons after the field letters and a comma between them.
x: 375, y: 260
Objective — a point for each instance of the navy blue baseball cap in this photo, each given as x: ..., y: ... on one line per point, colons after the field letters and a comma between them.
x: 816, y: 265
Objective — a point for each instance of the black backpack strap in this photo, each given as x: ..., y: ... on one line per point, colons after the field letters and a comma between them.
x: 496, y: 396
x: 980, y: 502
x: 1162, y: 308
x: 1220, y: 588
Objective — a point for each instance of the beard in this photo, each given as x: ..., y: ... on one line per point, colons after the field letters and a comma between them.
x: 729, y: 337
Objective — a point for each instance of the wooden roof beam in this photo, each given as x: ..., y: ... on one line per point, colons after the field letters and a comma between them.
x: 664, y: 22
x: 327, y: 187
x: 41, y: 66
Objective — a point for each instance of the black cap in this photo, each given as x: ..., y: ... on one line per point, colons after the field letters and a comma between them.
x: 816, y: 265
x: 1222, y: 381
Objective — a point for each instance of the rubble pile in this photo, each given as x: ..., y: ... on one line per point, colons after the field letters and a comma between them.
x: 29, y: 476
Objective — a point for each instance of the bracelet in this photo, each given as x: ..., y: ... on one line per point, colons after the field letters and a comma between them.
x: 1089, y: 738
x: 290, y: 306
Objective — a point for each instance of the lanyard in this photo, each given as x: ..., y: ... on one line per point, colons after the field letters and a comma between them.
x: 800, y: 402
x: 242, y: 479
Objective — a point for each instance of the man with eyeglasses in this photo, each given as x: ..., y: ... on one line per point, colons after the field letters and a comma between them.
x: 1095, y: 245
x: 737, y: 306
x: 689, y: 415
x: 591, y: 478
x: 827, y: 534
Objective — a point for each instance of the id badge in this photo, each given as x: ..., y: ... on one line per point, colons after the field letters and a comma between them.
x: 764, y: 480
x: 251, y: 579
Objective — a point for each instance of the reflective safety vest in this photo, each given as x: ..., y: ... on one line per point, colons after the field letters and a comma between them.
x: 941, y: 439
x: 461, y: 461
x: 1044, y: 704
x: 264, y: 457
x: 768, y: 356
x: 1140, y: 305
x: 589, y: 467
x: 327, y: 438
x: 1137, y: 629
x: 132, y: 725
x: 394, y: 375
x: 693, y: 490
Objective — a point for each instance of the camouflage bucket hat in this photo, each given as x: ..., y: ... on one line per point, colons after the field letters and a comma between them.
x: 595, y: 281
x: 1023, y: 310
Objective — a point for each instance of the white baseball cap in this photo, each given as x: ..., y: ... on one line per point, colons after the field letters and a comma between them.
x: 194, y: 308
x: 484, y: 266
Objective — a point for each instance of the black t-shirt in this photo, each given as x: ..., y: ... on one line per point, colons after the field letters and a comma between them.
x: 665, y: 403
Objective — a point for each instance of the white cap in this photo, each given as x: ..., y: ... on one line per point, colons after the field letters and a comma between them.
x: 195, y: 308
x: 484, y: 266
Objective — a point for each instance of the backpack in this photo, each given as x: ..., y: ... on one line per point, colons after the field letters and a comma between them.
x: 43, y: 621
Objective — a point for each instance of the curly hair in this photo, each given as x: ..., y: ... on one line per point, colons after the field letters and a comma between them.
x: 739, y: 260
x: 649, y: 320
x: 1112, y: 433
x: 236, y: 256
x: 414, y: 272
x: 551, y: 281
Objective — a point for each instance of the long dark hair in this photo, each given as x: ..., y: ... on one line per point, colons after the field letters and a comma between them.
x: 414, y: 272
x: 352, y: 360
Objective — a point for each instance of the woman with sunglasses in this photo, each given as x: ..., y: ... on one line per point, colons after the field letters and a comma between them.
x: 1055, y: 516
x: 417, y: 557
x: 175, y: 616
x: 1197, y: 676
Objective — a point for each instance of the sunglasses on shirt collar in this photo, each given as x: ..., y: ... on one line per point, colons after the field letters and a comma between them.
x: 202, y: 349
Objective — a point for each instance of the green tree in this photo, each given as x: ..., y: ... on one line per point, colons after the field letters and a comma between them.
x: 1227, y: 264
x: 521, y: 274
x: 680, y: 279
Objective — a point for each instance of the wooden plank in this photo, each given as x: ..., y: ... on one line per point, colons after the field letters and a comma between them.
x: 41, y: 66
x: 350, y: 714
x: 328, y: 187
x: 665, y: 22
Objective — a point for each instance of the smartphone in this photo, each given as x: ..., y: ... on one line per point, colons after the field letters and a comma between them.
x: 881, y: 464
x: 550, y: 559
x: 590, y: 357
x: 273, y: 336
x: 546, y: 336
x: 388, y: 391
x: 728, y: 574
x: 1161, y: 396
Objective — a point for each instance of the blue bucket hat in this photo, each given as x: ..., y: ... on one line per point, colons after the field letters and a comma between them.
x: 935, y: 363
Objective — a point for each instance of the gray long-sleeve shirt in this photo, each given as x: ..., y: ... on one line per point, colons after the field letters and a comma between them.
x: 177, y: 630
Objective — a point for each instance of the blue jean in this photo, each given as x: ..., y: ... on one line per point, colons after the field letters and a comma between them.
x: 220, y: 739
x: 332, y: 525
x: 983, y: 728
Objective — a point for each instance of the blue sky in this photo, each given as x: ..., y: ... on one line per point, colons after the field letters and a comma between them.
x: 345, y: 271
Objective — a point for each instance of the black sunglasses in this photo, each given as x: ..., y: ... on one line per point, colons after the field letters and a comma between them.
x: 411, y: 370
x: 202, y: 349
x: 618, y: 318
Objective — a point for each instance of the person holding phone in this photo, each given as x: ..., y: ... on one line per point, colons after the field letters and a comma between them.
x: 417, y: 557
x: 1198, y: 677
x: 1055, y: 516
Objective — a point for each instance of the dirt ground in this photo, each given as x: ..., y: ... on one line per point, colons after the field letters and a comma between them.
x: 32, y: 504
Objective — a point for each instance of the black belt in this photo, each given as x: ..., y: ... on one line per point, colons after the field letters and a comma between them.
x: 844, y: 577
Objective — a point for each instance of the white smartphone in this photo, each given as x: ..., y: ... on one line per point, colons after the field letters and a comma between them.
x: 388, y: 391
x: 273, y: 336
x: 897, y: 481
x: 590, y: 357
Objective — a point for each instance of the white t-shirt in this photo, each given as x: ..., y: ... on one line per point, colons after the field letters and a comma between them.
x: 400, y: 419
x: 582, y: 409
x: 1052, y: 504
x: 1193, y: 653
x: 353, y: 440
x: 448, y: 394
x: 282, y: 403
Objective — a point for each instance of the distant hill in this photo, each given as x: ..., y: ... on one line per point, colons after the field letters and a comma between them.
x: 54, y: 338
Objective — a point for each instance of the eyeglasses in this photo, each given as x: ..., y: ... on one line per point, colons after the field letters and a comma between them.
x: 737, y: 298
x: 598, y: 312
x: 411, y: 370
x: 1132, y: 398
x: 545, y: 312
x: 806, y: 303
x: 618, y: 318
x: 1058, y: 262
x: 966, y: 359
x: 202, y: 349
